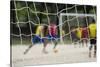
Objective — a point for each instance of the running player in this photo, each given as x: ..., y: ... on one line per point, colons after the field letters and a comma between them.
x: 45, y: 39
x: 37, y: 37
x: 84, y: 36
x: 52, y: 35
x: 92, y: 33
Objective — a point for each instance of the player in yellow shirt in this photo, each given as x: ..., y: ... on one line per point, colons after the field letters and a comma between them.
x: 39, y: 31
x: 92, y: 35
x: 79, y: 34
x: 92, y: 30
x: 38, y: 37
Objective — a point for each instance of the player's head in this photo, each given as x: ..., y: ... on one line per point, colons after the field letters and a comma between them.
x: 84, y: 26
x: 93, y: 21
x: 41, y: 26
x: 52, y: 22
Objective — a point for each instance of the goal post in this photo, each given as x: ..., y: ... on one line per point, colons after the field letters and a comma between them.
x: 72, y: 14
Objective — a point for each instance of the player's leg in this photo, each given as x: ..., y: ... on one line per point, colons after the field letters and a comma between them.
x: 74, y: 40
x: 55, y: 40
x: 86, y: 42
x: 45, y: 43
x: 95, y: 48
x: 30, y: 46
x: 90, y: 48
x: 55, y: 45
x: 28, y: 49
x: 82, y: 40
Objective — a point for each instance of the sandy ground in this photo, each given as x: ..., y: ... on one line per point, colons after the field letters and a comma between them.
x: 65, y: 54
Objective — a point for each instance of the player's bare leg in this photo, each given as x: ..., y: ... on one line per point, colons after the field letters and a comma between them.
x: 95, y: 49
x: 28, y: 49
x: 45, y: 45
x: 90, y: 48
x: 86, y: 43
x: 75, y: 45
x: 74, y: 42
x: 55, y: 45
x: 82, y: 42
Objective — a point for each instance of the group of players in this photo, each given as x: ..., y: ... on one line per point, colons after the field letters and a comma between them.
x: 84, y: 35
x: 45, y: 34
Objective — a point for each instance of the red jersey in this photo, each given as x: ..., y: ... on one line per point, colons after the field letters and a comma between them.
x: 52, y: 30
x: 84, y: 32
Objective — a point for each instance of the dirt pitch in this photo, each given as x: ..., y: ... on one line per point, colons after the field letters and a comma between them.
x: 65, y: 54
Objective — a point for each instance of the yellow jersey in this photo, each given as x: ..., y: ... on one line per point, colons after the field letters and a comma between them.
x: 39, y: 31
x: 92, y: 30
x: 79, y: 32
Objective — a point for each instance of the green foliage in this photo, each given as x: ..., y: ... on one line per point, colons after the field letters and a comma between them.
x: 20, y: 4
x: 22, y: 15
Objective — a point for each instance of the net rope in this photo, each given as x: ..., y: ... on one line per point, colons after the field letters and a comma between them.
x: 48, y: 18
x: 34, y: 22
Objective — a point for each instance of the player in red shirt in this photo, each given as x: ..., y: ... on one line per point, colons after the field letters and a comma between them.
x: 84, y: 35
x: 52, y: 35
x: 52, y: 29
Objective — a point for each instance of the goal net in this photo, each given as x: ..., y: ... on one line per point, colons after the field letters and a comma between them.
x: 26, y: 16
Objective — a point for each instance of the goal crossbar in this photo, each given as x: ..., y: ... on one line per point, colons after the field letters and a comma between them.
x: 77, y: 14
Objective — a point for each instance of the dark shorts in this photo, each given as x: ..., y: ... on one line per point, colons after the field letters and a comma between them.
x: 92, y: 41
x: 51, y: 37
x: 37, y: 39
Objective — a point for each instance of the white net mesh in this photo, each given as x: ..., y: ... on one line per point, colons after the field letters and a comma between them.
x: 26, y: 16
x: 77, y: 20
